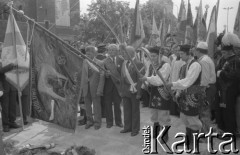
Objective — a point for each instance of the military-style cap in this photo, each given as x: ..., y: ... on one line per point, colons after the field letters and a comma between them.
x: 101, y: 48
x: 185, y: 48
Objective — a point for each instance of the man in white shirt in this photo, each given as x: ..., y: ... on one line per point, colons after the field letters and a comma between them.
x: 160, y: 98
x: 176, y: 65
x: 208, y: 79
x: 191, y: 97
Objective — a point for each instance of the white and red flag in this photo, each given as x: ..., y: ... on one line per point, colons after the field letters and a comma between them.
x: 14, y: 51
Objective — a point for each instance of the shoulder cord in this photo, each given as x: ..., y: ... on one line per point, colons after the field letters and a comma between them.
x: 31, y: 37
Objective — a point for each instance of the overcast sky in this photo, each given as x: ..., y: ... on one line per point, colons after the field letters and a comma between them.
x: 222, y: 17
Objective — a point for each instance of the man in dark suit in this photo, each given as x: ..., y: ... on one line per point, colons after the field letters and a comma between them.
x: 131, y: 92
x: 8, y: 100
x: 92, y: 83
x: 112, y: 86
x: 101, y: 56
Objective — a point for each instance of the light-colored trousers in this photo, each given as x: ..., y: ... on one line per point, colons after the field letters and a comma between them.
x: 161, y: 116
x: 192, y: 122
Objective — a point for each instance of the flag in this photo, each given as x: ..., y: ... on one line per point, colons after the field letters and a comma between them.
x: 201, y: 27
x: 188, y: 35
x: 189, y: 23
x: 204, y: 19
x: 55, y: 79
x: 189, y: 15
x: 182, y: 17
x: 181, y: 24
x: 195, y: 25
x: 182, y: 12
x: 14, y: 51
x: 160, y: 31
x: 168, y: 31
x: 160, y: 28
x: 212, y: 33
x: 217, y: 9
x: 237, y: 25
x: 137, y: 32
x: 155, y: 37
x: 164, y: 30
x: 154, y: 26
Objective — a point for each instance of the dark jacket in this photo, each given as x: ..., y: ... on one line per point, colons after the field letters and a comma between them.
x: 116, y: 71
x: 4, y: 85
x: 95, y: 82
x: 125, y: 85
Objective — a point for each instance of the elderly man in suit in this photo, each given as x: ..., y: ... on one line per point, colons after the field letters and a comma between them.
x: 131, y: 91
x: 112, y: 86
x: 8, y: 100
x: 101, y: 56
x: 92, y: 83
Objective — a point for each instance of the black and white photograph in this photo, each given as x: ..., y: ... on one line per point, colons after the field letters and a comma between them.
x: 119, y: 77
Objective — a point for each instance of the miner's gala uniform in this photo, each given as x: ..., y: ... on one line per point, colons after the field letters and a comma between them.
x: 160, y: 97
x: 192, y: 96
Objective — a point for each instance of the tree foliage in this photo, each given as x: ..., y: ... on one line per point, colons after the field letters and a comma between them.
x: 93, y: 28
x: 90, y: 28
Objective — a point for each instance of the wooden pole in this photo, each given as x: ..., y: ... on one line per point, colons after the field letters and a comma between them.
x: 2, y: 152
x: 158, y: 73
x: 15, y: 51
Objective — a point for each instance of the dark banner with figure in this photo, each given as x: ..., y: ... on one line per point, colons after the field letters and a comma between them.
x: 55, y: 79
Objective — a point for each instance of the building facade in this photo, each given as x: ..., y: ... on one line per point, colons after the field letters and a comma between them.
x: 59, y: 16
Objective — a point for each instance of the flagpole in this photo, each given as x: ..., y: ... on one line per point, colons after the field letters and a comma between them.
x: 118, y: 40
x: 15, y: 50
x: 1, y: 140
x: 159, y: 74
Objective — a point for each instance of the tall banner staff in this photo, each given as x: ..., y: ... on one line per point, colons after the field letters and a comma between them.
x: 16, y: 52
x: 118, y: 40
x: 1, y: 139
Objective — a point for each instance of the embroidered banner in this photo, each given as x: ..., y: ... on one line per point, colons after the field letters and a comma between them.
x: 55, y: 74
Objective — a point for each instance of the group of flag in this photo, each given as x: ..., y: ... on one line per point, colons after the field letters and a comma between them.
x: 190, y: 31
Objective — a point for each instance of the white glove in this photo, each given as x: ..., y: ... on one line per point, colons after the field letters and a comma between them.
x: 1, y: 93
x: 218, y: 73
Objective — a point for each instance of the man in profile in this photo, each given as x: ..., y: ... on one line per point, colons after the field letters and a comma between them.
x: 92, y: 83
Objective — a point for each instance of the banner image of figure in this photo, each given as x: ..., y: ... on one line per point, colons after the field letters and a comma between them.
x: 55, y: 75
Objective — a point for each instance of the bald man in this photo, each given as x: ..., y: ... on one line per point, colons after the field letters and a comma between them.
x: 131, y: 91
x: 92, y: 89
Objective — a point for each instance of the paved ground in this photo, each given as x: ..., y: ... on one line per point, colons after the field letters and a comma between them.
x: 104, y: 141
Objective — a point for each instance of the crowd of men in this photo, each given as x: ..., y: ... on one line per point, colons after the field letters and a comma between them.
x: 190, y: 86
x: 185, y: 83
